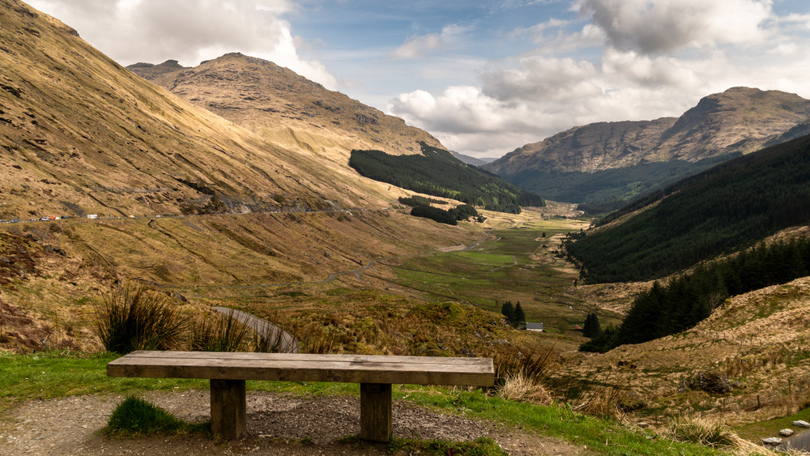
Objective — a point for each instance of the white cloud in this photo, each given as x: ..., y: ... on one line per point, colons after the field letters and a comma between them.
x: 189, y: 31
x: 667, y: 25
x: 419, y: 46
x: 633, y: 60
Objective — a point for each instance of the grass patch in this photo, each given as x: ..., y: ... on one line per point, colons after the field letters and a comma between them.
x: 704, y: 432
x: 136, y: 417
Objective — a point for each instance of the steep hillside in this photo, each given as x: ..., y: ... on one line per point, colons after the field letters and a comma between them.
x: 285, y: 107
x: 728, y: 207
x: 620, y: 160
x: 80, y: 134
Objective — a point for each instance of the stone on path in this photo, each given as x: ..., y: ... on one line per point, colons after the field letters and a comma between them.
x: 786, y: 432
x: 772, y: 441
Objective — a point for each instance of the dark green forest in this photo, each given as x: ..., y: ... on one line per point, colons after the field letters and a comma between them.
x: 690, y: 298
x: 436, y: 172
x: 607, y: 190
x: 422, y: 208
x: 722, y: 210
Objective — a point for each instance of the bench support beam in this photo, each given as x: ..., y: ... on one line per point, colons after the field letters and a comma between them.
x: 228, y: 408
x: 375, y: 412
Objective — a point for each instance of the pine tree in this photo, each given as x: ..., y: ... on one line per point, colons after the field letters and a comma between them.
x: 508, y: 311
x: 519, y: 317
x: 592, y: 327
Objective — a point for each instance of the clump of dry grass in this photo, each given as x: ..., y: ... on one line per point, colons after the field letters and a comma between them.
x: 711, y: 433
x: 518, y: 387
x: 603, y: 402
x: 534, y: 362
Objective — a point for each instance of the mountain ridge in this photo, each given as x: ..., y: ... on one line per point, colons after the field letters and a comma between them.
x: 281, y: 105
x: 738, y: 121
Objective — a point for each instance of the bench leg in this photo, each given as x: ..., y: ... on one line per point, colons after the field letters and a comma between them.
x: 375, y: 412
x: 228, y: 408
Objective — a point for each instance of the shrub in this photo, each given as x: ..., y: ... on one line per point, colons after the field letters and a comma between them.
x: 133, y: 317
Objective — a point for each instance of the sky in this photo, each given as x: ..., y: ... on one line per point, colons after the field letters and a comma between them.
x: 484, y: 77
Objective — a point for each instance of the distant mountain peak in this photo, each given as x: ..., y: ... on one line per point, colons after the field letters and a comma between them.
x: 740, y: 120
x: 278, y: 103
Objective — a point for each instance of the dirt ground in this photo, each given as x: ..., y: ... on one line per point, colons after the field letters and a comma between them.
x: 277, y: 424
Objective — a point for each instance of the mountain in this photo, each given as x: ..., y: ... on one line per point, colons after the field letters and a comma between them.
x: 80, y: 134
x: 285, y: 107
x: 301, y: 115
x: 620, y: 160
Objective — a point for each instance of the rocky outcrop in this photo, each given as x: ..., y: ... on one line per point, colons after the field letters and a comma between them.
x: 711, y: 382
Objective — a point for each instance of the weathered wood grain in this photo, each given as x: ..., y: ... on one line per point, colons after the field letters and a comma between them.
x: 228, y: 408
x: 302, y: 367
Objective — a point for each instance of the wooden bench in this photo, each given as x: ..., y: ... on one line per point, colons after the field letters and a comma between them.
x: 228, y: 372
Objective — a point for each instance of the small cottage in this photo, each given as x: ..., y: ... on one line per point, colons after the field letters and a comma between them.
x: 534, y: 327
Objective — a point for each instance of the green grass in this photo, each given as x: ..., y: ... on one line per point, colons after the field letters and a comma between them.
x: 599, y: 436
x: 59, y: 374
x: 501, y: 270
x: 136, y: 417
x: 771, y: 428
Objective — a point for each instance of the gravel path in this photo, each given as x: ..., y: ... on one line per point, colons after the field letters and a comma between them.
x: 277, y: 424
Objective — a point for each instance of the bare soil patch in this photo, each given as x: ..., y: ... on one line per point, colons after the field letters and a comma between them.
x: 277, y: 424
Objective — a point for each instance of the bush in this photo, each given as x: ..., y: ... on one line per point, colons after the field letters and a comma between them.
x: 133, y: 317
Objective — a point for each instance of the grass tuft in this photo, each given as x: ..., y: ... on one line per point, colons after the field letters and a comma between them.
x: 136, y: 417
x: 221, y: 333
x: 705, y: 432
x: 518, y: 387
x: 133, y: 317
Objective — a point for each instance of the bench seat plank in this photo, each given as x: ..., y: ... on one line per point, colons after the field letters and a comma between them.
x: 303, y: 367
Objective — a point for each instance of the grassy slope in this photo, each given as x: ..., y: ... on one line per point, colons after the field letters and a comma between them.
x: 81, y: 134
x: 211, y: 259
x: 758, y: 339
